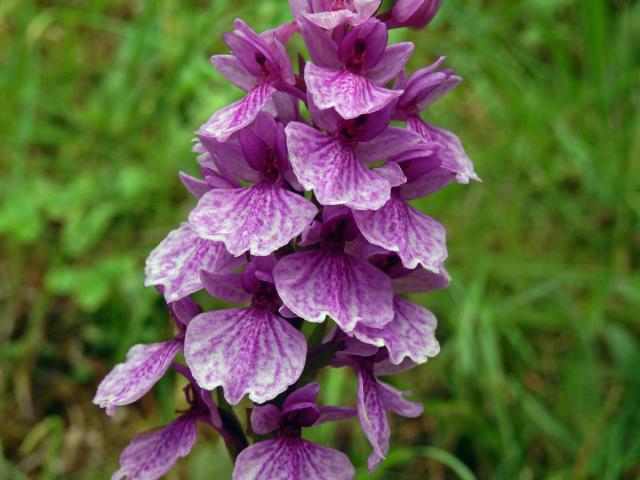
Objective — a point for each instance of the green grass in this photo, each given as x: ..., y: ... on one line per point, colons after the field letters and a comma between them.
x: 540, y: 329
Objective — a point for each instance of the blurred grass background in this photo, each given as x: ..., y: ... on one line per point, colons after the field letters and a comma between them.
x: 538, y: 375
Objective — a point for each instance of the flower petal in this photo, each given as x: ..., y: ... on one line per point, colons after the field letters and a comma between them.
x: 246, y: 351
x: 394, y: 400
x: 259, y: 219
x: 389, y: 143
x: 332, y: 170
x: 196, y: 187
x: 177, y: 261
x: 373, y: 417
x: 325, y: 282
x: 286, y: 458
x: 399, y: 227
x: 332, y: 414
x: 392, y: 62
x: 238, y: 115
x: 131, y: 380
x: 265, y: 419
x: 152, y: 454
x: 232, y: 69
x: 411, y: 334
x: 350, y: 94
x: 227, y: 287
x: 421, y: 280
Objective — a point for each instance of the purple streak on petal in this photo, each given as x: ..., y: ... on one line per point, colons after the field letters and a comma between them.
x: 399, y: 227
x: 421, y: 280
x: 231, y: 68
x: 265, y: 419
x: 331, y: 169
x: 259, y: 219
x: 227, y: 287
x: 177, y: 261
x: 150, y: 455
x: 330, y: 19
x: 373, y: 417
x: 289, y: 458
x: 238, y: 115
x: 195, y: 186
x: 392, y: 62
x: 394, y: 400
x: 131, y: 380
x: 326, y: 282
x: 389, y: 143
x: 350, y: 94
x: 362, y: 48
x: 246, y: 351
x: 411, y: 334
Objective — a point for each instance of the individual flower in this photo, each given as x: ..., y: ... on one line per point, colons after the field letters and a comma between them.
x: 332, y: 13
x: 327, y: 281
x: 287, y: 455
x: 375, y: 397
x: 251, y: 350
x: 444, y: 158
x: 144, y: 364
x: 414, y: 14
x: 150, y: 455
x: 411, y: 333
x: 349, y: 76
x: 399, y: 227
x: 333, y: 163
x: 261, y: 217
x: 259, y: 65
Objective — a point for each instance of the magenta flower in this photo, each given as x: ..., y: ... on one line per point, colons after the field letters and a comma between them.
x: 349, y: 75
x: 303, y: 214
x: 287, y: 455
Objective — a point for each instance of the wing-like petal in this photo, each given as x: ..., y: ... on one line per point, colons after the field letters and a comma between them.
x: 399, y: 227
x: 129, y: 381
x: 392, y: 62
x: 333, y: 171
x: 246, y: 351
x: 176, y: 262
x: 394, y: 401
x: 152, y: 454
x: 326, y: 282
x: 373, y: 417
x: 259, y: 219
x: 411, y: 334
x: 285, y: 458
x: 238, y: 115
x: 350, y: 94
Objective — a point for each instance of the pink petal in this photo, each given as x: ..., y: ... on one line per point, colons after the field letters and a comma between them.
x: 399, y: 227
x: 152, y: 454
x: 227, y: 287
x: 259, y: 219
x: 265, y: 419
x: 196, y: 187
x: 394, y: 401
x: 350, y: 94
x: 232, y: 69
x: 325, y: 282
x: 286, y: 458
x: 373, y: 417
x: 332, y: 170
x: 392, y: 62
x: 411, y: 334
x: 238, y: 115
x: 421, y: 280
x: 131, y: 380
x: 177, y: 261
x: 246, y: 351
x: 390, y: 142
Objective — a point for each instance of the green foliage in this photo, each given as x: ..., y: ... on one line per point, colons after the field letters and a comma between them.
x: 537, y: 377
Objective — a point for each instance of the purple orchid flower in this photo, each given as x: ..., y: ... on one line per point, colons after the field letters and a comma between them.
x: 329, y: 282
x: 250, y: 350
x: 264, y: 216
x: 444, y: 153
x: 150, y: 455
x: 260, y: 66
x: 415, y: 14
x: 299, y: 219
x: 144, y: 365
x: 411, y: 333
x: 333, y: 164
x: 375, y: 397
x: 287, y: 455
x: 329, y: 14
x: 349, y: 75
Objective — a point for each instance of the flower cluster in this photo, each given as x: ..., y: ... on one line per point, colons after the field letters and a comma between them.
x: 302, y: 215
